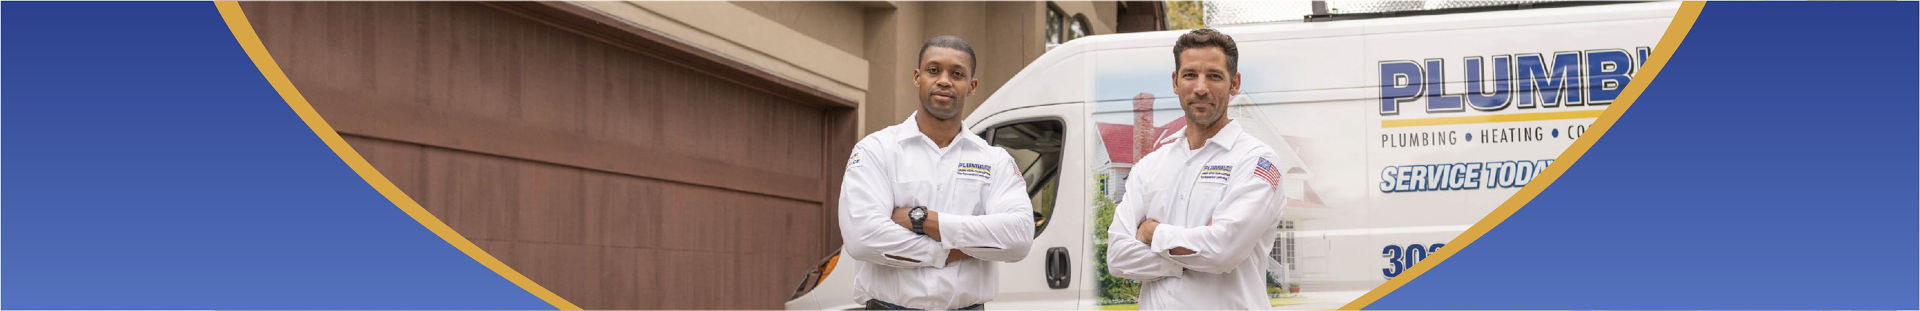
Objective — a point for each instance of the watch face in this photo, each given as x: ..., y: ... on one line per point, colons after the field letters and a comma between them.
x: 917, y: 213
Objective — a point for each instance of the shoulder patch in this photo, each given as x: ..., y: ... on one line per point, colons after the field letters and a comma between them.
x: 1267, y: 172
x: 854, y: 161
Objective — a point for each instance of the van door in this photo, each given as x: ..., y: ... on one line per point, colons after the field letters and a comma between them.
x: 1037, y: 137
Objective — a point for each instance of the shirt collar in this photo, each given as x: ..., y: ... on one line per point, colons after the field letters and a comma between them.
x: 911, y: 132
x: 1224, y: 139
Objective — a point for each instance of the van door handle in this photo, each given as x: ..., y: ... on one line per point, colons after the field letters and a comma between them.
x: 1058, y: 266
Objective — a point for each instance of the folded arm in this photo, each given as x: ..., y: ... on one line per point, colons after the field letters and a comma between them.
x: 1249, y: 210
x: 866, y: 226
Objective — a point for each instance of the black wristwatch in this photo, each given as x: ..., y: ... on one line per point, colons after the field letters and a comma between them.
x: 918, y: 216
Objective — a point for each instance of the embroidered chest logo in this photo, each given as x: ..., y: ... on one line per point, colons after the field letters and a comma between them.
x: 980, y: 171
x: 1216, y: 172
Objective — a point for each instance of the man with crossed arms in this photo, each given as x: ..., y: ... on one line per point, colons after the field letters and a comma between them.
x: 1199, y: 214
x: 926, y: 207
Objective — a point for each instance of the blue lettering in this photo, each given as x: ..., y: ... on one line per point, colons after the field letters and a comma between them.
x: 1406, y: 179
x: 1522, y: 173
x: 1459, y: 176
x: 1397, y: 266
x: 1643, y: 56
x: 1477, y: 95
x: 1537, y: 82
x: 1502, y: 173
x: 1400, y: 81
x: 1419, y: 177
x: 1608, y: 72
x: 1415, y: 253
x: 1456, y: 175
x: 1473, y: 175
x: 1437, y: 98
x: 1386, y: 179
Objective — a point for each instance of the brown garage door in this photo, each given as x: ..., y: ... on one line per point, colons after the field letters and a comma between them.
x: 616, y: 168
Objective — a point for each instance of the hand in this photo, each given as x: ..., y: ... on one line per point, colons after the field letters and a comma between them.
x: 900, y: 218
x: 931, y: 226
x: 956, y: 255
x: 1145, y: 233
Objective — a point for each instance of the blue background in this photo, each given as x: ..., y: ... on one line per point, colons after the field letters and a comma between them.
x: 1771, y: 165
x: 149, y: 165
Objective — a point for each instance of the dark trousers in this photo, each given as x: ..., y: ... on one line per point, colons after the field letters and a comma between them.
x: 876, y: 304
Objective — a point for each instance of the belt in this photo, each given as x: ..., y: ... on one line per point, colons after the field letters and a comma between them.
x: 876, y: 304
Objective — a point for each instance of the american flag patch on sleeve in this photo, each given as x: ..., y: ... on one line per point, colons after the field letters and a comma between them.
x: 1266, y: 171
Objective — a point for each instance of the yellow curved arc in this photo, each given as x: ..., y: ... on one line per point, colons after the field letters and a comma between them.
x: 250, y: 41
x: 1669, y: 42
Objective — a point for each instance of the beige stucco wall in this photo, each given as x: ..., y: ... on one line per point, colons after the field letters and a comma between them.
x: 861, y: 51
x: 839, y: 24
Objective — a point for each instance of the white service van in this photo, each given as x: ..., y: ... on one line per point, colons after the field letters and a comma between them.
x: 1396, y: 135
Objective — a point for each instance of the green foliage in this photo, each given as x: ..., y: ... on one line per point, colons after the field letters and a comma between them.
x: 1186, y: 15
x: 1113, y: 290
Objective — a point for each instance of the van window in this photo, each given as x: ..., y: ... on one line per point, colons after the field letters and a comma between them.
x: 1036, y: 147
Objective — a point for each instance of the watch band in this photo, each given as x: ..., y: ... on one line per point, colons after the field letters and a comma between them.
x: 918, y: 216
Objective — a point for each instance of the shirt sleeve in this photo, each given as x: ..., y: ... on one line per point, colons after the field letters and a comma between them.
x: 1005, y: 232
x: 866, y: 218
x: 1127, y: 257
x: 1248, y: 211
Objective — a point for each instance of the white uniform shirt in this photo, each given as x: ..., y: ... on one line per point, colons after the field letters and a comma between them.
x: 1221, y: 201
x: 984, y: 211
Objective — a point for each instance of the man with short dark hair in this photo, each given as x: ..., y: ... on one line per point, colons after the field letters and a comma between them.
x: 925, y: 207
x: 1198, y: 216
